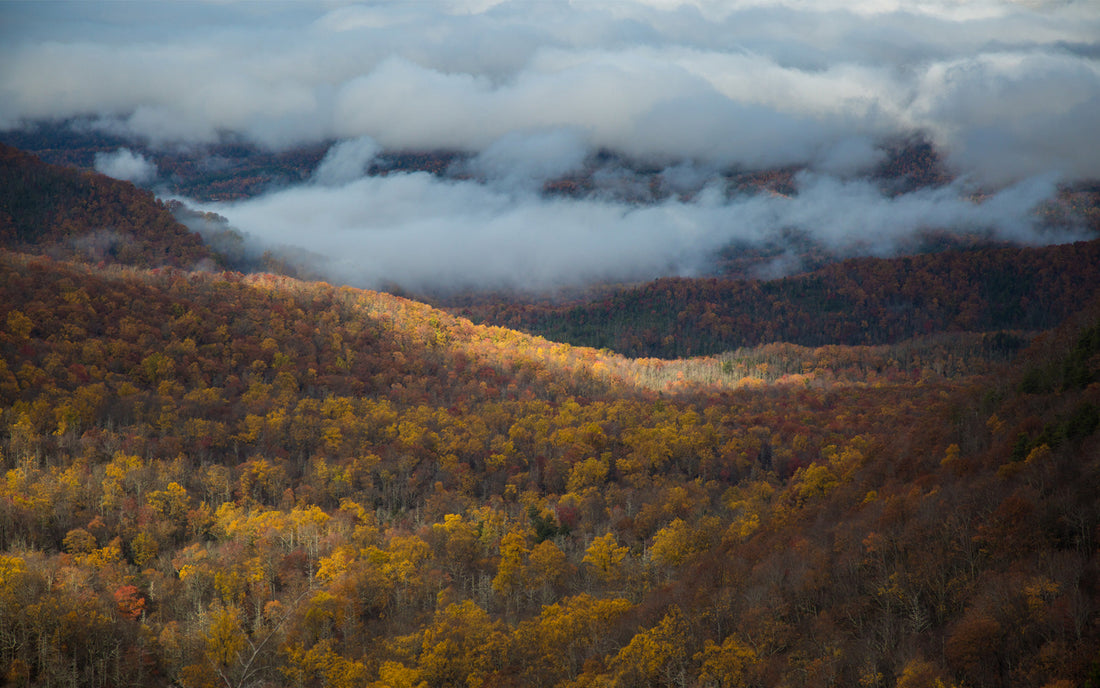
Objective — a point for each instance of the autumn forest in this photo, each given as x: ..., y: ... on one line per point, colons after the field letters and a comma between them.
x: 880, y: 472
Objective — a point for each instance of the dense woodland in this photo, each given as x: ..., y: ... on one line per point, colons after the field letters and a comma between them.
x: 85, y: 216
x: 217, y: 479
x: 860, y: 301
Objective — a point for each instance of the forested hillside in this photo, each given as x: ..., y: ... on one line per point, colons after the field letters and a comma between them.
x: 857, y: 301
x: 217, y: 479
x: 85, y: 216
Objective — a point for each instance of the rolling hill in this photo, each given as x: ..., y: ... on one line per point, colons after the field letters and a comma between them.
x: 862, y: 301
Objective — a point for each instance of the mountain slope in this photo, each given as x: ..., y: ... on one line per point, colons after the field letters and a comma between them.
x: 862, y: 301
x: 964, y: 549
x: 228, y: 479
x: 71, y: 214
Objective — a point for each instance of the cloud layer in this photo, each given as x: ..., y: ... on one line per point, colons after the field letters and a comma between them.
x: 1007, y: 89
x: 428, y: 233
x: 530, y: 91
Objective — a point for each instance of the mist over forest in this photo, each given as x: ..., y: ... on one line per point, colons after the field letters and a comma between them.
x: 645, y: 113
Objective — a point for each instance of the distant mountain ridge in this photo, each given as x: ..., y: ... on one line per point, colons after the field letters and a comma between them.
x: 78, y: 215
x: 234, y: 170
x: 860, y: 301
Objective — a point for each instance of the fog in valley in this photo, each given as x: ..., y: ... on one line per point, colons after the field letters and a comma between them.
x: 654, y: 105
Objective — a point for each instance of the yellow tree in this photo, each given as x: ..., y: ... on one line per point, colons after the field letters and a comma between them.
x: 509, y: 579
x: 403, y: 565
x: 673, y: 544
x: 232, y: 656
x: 396, y: 675
x: 456, y: 542
x: 725, y: 665
x: 171, y: 504
x: 462, y: 646
x: 558, y: 642
x: 605, y: 556
x: 547, y: 567
x: 657, y: 656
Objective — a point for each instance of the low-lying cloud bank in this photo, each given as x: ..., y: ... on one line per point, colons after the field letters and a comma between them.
x: 428, y: 233
x: 1008, y: 91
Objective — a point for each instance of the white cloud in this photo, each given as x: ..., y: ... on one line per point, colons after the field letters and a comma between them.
x: 126, y: 165
x: 532, y: 158
x: 753, y: 82
x: 849, y: 157
x: 346, y: 161
x: 424, y: 232
x: 1006, y: 115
